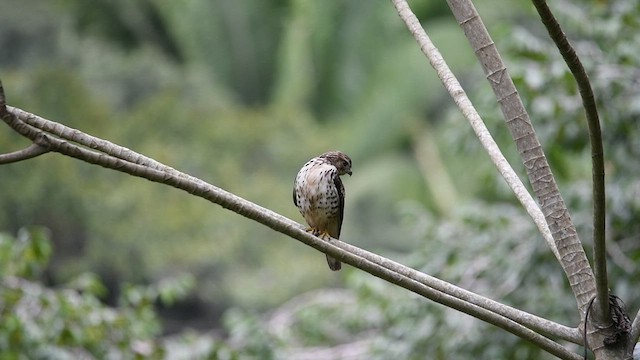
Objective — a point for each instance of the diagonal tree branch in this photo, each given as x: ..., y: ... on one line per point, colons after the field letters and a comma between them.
x: 569, y: 249
x: 597, y: 153
x: 573, y: 258
x: 540, y: 325
x: 507, y: 318
x: 531, y: 321
x: 29, y: 152
x: 634, y: 336
x: 464, y: 104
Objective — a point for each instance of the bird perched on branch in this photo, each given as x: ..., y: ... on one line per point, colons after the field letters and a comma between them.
x: 319, y: 195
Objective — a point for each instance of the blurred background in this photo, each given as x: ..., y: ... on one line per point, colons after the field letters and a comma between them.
x: 241, y: 94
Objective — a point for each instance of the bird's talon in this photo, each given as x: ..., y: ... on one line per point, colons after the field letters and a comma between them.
x: 313, y: 231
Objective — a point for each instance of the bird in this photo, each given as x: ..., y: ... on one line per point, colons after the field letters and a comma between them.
x: 319, y: 195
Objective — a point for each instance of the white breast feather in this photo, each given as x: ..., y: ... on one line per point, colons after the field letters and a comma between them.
x: 314, y: 180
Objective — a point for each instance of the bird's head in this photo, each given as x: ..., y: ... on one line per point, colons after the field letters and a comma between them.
x: 340, y: 160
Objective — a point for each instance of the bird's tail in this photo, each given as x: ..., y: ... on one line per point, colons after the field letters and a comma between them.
x: 334, y: 264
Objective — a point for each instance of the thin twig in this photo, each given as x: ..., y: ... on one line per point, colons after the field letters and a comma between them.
x: 618, y: 257
x: 597, y: 153
x: 29, y: 152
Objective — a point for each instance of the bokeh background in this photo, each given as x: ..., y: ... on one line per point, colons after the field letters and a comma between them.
x: 241, y: 94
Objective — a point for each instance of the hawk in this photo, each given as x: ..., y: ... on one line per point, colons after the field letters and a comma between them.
x: 319, y: 195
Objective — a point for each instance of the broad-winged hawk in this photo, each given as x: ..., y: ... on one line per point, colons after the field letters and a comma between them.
x: 319, y: 195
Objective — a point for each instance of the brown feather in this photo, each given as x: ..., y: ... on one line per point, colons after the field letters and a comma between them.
x: 334, y: 225
x: 295, y: 196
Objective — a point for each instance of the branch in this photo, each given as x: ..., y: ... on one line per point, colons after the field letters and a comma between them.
x: 29, y: 152
x: 634, y: 335
x: 597, y: 157
x: 533, y: 322
x: 515, y: 321
x: 462, y: 101
x: 573, y: 259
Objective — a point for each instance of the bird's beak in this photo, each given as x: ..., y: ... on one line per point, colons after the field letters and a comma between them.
x: 349, y: 172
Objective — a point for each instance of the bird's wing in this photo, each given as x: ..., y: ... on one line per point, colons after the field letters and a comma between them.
x: 335, y: 224
x: 295, y: 195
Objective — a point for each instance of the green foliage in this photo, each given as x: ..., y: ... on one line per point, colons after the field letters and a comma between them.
x: 493, y: 251
x: 70, y: 321
x: 25, y: 256
x: 241, y: 94
x: 550, y: 93
x: 183, y: 110
x: 556, y: 110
